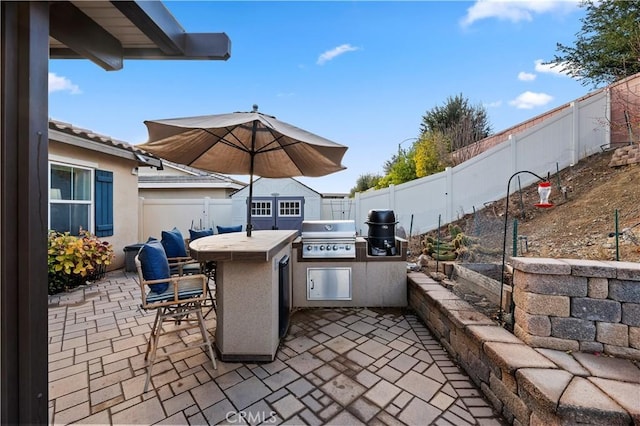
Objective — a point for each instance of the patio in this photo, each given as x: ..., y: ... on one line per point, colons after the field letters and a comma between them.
x: 344, y: 366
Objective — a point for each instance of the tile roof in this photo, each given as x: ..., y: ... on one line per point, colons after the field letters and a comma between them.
x: 72, y: 130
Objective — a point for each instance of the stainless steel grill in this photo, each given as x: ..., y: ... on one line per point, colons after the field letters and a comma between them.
x: 328, y: 239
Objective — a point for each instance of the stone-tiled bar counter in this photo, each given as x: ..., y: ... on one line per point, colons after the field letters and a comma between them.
x: 248, y: 291
x: 578, y: 305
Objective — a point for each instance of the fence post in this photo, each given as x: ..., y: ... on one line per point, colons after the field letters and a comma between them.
x: 357, y: 205
x: 392, y: 197
x: 448, y: 194
x: 141, y: 219
x: 205, y: 213
x: 513, y: 140
x: 575, y: 133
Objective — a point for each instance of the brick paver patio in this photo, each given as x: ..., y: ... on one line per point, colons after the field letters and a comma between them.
x: 339, y: 366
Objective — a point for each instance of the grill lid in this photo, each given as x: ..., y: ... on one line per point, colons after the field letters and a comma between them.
x: 328, y: 229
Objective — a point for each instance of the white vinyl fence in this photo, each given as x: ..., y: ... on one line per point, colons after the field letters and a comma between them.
x: 157, y: 215
x: 554, y: 144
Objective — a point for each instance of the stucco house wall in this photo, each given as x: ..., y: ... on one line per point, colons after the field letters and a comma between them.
x: 76, y: 147
x: 125, y: 193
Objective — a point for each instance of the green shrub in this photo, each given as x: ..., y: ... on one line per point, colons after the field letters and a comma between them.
x: 75, y: 260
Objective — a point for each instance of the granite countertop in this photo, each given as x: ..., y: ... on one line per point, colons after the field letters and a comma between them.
x: 261, y: 246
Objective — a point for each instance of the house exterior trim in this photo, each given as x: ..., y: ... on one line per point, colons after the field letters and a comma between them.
x: 83, y: 142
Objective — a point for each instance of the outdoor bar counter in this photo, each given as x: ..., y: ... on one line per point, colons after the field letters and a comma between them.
x: 252, y: 291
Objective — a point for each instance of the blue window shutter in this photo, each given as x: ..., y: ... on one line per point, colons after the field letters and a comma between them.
x: 104, y: 203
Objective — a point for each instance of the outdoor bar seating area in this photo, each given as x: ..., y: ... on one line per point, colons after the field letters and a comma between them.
x: 334, y: 366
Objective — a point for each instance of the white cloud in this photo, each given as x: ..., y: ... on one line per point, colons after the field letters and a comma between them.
x: 558, y: 69
x: 494, y: 104
x: 515, y: 11
x: 530, y: 100
x: 58, y: 83
x: 526, y: 76
x: 335, y: 52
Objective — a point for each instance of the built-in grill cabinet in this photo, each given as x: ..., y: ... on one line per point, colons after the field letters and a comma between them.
x: 332, y: 267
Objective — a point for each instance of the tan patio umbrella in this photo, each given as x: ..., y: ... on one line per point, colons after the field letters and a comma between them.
x: 244, y: 143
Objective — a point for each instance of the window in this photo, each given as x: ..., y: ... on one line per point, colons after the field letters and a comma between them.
x: 261, y: 208
x: 73, y: 200
x: 290, y: 208
x: 70, y: 199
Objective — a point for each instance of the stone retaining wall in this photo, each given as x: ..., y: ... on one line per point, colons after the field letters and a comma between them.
x: 578, y: 305
x: 537, y: 387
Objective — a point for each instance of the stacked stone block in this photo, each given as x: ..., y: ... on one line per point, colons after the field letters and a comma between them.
x: 625, y: 155
x: 537, y: 387
x: 578, y: 305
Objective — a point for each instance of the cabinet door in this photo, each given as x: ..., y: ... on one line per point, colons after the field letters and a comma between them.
x: 329, y: 283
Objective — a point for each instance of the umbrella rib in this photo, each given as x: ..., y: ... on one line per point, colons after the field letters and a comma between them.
x: 241, y: 146
x: 222, y: 140
x: 276, y: 138
x: 276, y: 148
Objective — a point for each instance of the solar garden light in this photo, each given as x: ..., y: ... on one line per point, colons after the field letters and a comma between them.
x: 544, y: 191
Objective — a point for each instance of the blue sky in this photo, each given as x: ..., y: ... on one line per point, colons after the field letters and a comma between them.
x: 359, y: 73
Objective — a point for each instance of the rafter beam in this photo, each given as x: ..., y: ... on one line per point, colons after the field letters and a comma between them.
x: 199, y: 47
x: 83, y: 36
x: 156, y: 22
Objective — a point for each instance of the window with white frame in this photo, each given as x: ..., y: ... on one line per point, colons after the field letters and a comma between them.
x: 289, y: 208
x: 261, y: 208
x: 70, y: 198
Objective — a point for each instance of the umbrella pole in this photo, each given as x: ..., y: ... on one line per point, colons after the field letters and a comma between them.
x: 252, y: 154
x: 249, y: 225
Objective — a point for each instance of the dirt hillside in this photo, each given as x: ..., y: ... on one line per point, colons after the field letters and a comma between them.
x: 581, y: 222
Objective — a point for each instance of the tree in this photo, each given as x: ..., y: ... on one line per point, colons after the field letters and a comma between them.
x: 607, y: 48
x: 462, y: 123
x: 443, y: 131
x: 401, y: 168
x: 430, y: 154
x: 365, y: 182
x: 454, y: 126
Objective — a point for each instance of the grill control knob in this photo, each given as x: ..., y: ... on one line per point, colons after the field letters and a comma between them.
x: 335, y: 247
x: 321, y: 248
x: 309, y: 248
x: 347, y: 247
